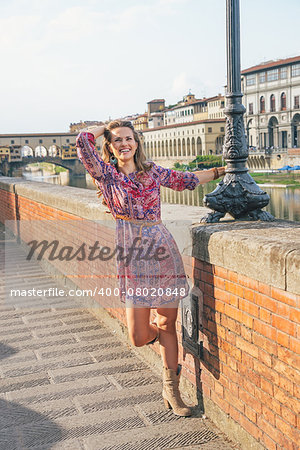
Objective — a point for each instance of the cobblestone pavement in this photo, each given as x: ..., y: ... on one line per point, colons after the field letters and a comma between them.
x: 67, y: 382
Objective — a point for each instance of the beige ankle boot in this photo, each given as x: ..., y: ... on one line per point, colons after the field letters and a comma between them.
x: 171, y: 394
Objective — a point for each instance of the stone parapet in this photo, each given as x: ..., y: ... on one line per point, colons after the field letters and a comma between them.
x: 247, y: 377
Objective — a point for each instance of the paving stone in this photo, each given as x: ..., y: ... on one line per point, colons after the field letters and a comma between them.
x: 119, y: 399
x: 80, y: 387
x: 69, y: 329
x: 96, y: 369
x: 45, y: 433
x: 35, y: 343
x: 18, y: 357
x: 61, y: 350
x: 163, y: 436
x: 15, y: 370
x: 13, y: 414
x: 140, y: 378
x: 24, y: 381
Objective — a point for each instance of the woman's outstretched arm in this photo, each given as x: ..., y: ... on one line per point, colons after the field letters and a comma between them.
x: 204, y: 176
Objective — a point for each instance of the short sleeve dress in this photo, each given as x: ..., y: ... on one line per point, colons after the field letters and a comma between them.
x: 149, y: 267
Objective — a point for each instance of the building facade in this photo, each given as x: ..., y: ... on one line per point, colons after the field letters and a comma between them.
x: 271, y: 97
x: 184, y: 141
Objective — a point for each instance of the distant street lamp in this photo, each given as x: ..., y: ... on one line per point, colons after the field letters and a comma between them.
x: 237, y: 194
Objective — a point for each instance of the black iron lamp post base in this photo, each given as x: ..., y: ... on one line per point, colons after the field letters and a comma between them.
x: 238, y: 195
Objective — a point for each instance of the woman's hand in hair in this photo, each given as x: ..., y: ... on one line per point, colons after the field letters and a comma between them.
x: 97, y: 131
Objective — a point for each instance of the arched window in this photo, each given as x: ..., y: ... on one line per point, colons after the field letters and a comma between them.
x: 272, y: 103
x: 283, y: 102
x: 262, y: 104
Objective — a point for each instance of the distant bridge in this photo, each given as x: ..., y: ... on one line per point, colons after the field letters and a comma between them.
x: 17, y: 150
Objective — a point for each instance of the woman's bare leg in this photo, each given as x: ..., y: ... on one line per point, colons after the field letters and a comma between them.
x: 140, y: 330
x: 166, y: 321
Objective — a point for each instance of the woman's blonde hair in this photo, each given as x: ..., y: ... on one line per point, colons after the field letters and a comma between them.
x: 139, y: 156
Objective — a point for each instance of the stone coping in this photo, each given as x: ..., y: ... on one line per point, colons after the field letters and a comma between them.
x: 266, y: 252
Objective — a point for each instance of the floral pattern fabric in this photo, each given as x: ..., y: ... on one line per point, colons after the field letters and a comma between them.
x: 137, y: 196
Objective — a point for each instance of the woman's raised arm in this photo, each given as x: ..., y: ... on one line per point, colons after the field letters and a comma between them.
x: 89, y: 157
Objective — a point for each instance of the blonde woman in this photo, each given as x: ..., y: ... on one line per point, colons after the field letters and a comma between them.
x: 130, y: 186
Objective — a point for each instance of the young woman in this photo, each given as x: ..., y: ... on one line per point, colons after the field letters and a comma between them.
x: 130, y: 186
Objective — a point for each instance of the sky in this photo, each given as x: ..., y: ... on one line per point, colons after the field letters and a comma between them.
x: 71, y: 60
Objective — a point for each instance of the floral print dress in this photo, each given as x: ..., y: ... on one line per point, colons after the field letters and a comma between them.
x: 147, y: 278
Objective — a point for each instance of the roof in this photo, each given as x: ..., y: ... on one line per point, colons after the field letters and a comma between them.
x: 271, y: 64
x: 177, y: 125
x: 157, y: 100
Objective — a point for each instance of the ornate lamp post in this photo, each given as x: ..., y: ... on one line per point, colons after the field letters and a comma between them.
x: 237, y: 194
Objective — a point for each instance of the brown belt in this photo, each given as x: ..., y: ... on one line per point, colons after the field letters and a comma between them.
x: 147, y: 223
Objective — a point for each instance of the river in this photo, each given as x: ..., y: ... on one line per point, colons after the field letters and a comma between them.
x: 284, y: 202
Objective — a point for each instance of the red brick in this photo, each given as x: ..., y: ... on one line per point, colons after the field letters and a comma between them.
x: 219, y: 389
x: 207, y: 277
x: 231, y: 350
x: 247, y: 347
x: 247, y: 360
x: 234, y: 288
x: 207, y: 267
x: 234, y: 413
x: 269, y: 430
x: 220, y: 272
x: 269, y: 443
x: 286, y: 400
x: 288, y: 357
x: 294, y: 314
x: 267, y: 386
x: 230, y: 337
x: 289, y: 416
x: 233, y: 300
x: 283, y: 339
x: 197, y: 263
x: 283, y: 296
x: 208, y: 289
x: 248, y: 282
x: 219, y: 282
x: 251, y: 428
x: 246, y: 334
x: 268, y: 373
x: 232, y: 312
x: 249, y: 307
x: 221, y: 295
x: 266, y: 302
x: 268, y: 415
x: 248, y: 294
x: 265, y: 330
x: 295, y: 345
x: 232, y: 276
x: 250, y: 414
x: 287, y: 430
x: 264, y: 288
x: 265, y: 344
x: 286, y: 384
x: 220, y: 402
x: 234, y: 400
x: 250, y: 400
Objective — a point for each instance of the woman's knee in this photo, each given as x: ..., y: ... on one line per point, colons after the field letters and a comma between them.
x: 167, y: 324
x: 138, y: 339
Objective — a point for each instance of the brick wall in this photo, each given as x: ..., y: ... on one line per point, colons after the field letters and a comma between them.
x: 250, y: 364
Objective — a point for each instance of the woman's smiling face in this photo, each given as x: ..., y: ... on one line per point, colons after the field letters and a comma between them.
x: 123, y: 144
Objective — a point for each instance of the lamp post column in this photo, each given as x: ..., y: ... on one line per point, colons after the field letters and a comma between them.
x: 237, y: 194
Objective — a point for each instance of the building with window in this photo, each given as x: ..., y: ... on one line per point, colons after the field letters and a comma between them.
x: 184, y: 141
x: 271, y: 97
